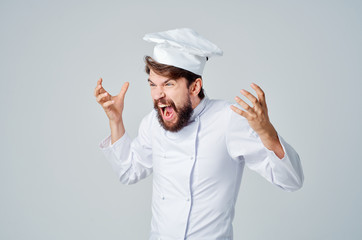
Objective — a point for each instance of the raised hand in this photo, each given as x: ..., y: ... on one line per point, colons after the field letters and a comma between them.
x: 112, y: 105
x: 258, y: 118
x: 257, y: 115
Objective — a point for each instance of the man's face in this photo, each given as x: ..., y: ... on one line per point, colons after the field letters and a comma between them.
x: 171, y: 100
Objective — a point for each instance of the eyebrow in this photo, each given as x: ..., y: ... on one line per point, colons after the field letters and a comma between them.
x: 166, y: 81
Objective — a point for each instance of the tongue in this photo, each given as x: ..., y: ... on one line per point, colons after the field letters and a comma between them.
x: 168, y: 113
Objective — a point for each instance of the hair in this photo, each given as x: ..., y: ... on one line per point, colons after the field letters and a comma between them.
x: 172, y: 72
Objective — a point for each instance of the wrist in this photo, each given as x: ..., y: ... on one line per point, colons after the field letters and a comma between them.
x: 117, y: 130
x: 269, y: 137
x: 116, y: 123
x: 268, y: 132
x: 271, y: 141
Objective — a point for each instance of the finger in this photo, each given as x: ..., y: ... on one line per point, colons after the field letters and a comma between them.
x: 98, y: 87
x: 239, y: 111
x: 250, y: 96
x: 124, y: 89
x: 96, y: 90
x: 260, y: 93
x: 99, y: 90
x: 244, y: 105
x: 101, y: 97
x: 99, y: 82
x: 108, y: 103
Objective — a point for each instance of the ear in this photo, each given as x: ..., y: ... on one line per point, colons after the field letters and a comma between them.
x: 195, y: 87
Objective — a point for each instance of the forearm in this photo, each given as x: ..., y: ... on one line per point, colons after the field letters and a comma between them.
x: 131, y: 159
x: 117, y: 130
x: 129, y: 167
x: 271, y: 141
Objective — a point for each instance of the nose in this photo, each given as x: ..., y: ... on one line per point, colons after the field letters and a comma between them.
x: 159, y: 93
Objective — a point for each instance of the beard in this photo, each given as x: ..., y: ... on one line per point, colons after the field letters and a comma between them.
x: 183, y: 114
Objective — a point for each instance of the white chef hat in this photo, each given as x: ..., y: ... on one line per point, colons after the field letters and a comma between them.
x: 183, y: 48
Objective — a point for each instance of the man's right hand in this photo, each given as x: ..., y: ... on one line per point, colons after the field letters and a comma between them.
x: 112, y: 105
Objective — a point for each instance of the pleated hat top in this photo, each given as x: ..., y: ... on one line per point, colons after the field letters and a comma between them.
x: 183, y: 48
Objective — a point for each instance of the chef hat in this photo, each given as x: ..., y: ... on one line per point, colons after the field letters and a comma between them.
x: 183, y: 48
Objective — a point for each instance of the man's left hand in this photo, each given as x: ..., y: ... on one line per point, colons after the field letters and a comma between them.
x: 258, y: 119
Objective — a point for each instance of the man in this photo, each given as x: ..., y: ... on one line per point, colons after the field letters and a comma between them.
x: 196, y: 147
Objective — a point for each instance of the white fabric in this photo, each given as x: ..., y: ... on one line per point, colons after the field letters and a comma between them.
x: 183, y: 48
x: 197, y: 171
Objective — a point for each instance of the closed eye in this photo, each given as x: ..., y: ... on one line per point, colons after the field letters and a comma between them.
x: 151, y: 83
x: 170, y: 83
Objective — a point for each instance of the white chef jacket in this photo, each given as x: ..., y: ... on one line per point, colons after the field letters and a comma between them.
x: 197, y: 171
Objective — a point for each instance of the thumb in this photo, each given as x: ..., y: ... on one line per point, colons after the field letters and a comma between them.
x: 123, y: 91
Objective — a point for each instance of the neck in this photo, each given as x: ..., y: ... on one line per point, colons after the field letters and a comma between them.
x: 195, y: 101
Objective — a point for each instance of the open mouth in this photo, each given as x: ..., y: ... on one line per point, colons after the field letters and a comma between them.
x: 167, y: 111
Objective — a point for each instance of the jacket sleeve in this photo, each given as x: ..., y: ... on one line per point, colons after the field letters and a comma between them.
x: 245, y: 145
x: 131, y: 160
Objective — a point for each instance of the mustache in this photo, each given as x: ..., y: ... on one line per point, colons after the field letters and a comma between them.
x: 165, y: 102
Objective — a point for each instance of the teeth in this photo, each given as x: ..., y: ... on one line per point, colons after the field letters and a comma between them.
x: 162, y: 105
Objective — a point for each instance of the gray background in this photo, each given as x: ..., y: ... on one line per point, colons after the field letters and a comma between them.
x: 55, y: 182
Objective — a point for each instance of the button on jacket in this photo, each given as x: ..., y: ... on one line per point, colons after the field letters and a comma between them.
x: 197, y: 171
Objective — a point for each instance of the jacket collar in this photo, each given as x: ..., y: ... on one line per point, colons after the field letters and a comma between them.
x: 199, y: 109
